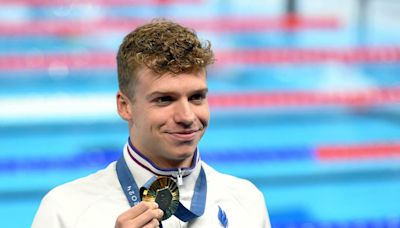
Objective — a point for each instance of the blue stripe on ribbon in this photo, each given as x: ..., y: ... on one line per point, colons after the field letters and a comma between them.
x: 132, y: 192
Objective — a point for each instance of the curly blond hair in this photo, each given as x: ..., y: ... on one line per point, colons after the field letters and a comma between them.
x: 163, y: 47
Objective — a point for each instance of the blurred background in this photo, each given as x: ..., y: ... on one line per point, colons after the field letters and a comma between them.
x: 305, y: 100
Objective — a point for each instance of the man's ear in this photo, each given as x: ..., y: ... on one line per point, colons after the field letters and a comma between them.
x: 124, y: 106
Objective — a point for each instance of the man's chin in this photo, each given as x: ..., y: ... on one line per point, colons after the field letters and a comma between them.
x: 184, y: 158
x: 181, y: 156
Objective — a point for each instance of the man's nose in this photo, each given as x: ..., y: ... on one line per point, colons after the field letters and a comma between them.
x: 184, y: 113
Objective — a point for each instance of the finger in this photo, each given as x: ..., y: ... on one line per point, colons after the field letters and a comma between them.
x: 147, y: 217
x: 135, y: 211
x: 152, y: 224
x: 160, y: 214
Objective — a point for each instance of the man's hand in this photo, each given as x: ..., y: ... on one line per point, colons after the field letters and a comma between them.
x: 144, y: 214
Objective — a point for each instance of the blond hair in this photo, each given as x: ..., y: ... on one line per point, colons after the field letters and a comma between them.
x: 162, y: 46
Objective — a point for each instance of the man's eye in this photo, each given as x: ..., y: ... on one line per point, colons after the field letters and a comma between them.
x: 163, y: 100
x: 198, y: 97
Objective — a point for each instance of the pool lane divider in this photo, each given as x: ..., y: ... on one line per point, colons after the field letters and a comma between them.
x: 220, y: 24
x: 45, y: 108
x: 354, y: 98
x: 100, y: 158
x: 225, y: 58
x: 107, y: 3
x: 356, y: 152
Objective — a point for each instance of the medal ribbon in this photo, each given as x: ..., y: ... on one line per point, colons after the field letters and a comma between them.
x: 131, y: 192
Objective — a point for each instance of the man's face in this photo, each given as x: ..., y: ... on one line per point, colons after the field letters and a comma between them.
x: 169, y: 115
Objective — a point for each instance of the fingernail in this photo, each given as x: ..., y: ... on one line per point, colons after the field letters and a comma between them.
x: 156, y: 204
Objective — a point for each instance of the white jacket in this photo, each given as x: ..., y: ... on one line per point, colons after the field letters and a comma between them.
x: 97, y: 200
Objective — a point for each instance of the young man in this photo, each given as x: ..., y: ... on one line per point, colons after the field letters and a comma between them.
x: 163, y: 97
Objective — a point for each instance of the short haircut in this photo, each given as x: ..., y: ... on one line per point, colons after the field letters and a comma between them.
x: 163, y: 47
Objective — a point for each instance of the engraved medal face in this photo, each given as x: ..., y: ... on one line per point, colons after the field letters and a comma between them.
x: 165, y: 193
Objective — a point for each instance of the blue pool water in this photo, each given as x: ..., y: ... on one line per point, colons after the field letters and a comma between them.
x: 275, y: 148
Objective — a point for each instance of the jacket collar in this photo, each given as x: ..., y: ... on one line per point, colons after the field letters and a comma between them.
x: 143, y: 168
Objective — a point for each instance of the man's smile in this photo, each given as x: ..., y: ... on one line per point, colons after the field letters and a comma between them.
x: 184, y: 135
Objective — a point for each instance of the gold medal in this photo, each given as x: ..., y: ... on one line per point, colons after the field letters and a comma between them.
x: 165, y: 193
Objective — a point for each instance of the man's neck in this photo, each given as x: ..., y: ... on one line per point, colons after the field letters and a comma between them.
x: 153, y: 162
x: 171, y: 164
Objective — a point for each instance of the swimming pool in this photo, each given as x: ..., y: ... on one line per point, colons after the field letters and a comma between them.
x: 314, y: 122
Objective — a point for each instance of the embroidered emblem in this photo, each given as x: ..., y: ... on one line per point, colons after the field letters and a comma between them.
x: 222, y: 217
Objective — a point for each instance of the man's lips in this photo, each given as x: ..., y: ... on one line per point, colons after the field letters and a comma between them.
x: 185, y: 135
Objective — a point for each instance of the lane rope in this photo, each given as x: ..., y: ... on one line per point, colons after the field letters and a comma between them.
x: 40, y: 61
x: 50, y: 3
x: 307, y: 98
x: 390, y: 150
x: 74, y: 27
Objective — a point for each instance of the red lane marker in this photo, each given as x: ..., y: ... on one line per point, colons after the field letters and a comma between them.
x: 341, y: 152
x: 279, y: 56
x: 296, y: 99
x: 69, y: 61
x: 219, y: 24
x: 259, y: 24
x: 46, y: 3
x: 67, y: 28
x: 244, y: 57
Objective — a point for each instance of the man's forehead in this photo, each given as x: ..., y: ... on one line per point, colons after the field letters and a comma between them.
x: 149, y: 76
x: 170, y: 83
x: 150, y: 84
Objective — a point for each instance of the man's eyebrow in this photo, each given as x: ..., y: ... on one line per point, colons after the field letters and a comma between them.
x: 171, y: 93
x: 158, y: 93
x: 205, y: 90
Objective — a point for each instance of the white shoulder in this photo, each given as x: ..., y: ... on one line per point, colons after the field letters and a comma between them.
x: 241, y: 189
x: 60, y: 205
x: 90, y: 185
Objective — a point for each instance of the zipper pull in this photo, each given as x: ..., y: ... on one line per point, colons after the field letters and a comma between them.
x: 179, y: 177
